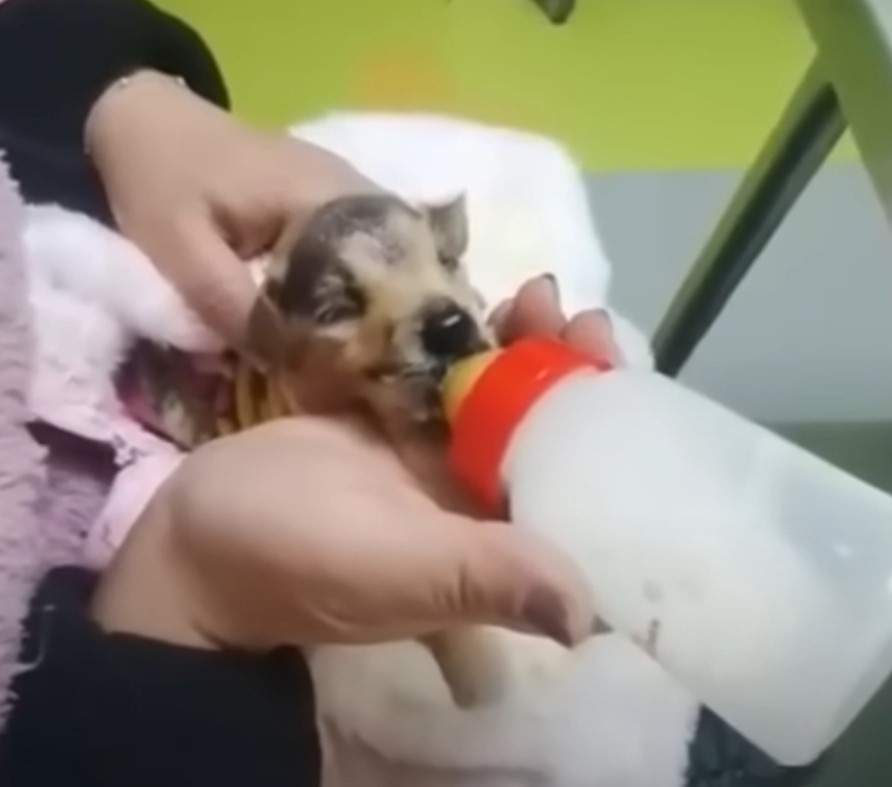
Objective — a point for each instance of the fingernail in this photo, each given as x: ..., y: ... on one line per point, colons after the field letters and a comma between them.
x: 616, y: 354
x: 552, y: 280
x: 545, y: 613
x: 555, y: 287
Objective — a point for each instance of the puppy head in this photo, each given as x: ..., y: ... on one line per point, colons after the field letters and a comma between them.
x: 371, y: 300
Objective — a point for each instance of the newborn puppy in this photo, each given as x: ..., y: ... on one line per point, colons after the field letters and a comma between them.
x: 367, y: 306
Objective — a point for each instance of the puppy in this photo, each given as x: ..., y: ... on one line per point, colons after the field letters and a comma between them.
x: 368, y: 306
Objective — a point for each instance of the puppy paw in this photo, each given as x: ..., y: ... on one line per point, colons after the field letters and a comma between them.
x: 474, y: 665
x: 393, y: 699
x: 488, y: 666
x: 534, y: 665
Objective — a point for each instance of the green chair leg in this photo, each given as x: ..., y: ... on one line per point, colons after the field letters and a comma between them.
x: 558, y: 11
x: 806, y: 134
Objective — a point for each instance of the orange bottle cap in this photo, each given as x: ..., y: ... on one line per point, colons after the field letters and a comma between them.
x: 508, y: 386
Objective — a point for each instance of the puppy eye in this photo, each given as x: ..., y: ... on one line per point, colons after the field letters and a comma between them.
x: 340, y: 311
x: 338, y: 297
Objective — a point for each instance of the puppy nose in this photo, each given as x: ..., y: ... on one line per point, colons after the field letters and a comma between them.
x: 449, y: 332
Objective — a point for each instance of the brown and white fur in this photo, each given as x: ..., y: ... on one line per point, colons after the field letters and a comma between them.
x: 601, y: 716
x: 368, y: 305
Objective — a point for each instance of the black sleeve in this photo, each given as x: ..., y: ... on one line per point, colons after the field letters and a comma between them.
x: 56, y: 58
x: 101, y: 710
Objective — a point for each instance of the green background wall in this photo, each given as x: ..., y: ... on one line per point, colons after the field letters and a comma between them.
x: 628, y: 84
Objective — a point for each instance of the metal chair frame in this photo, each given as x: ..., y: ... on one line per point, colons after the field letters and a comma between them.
x: 847, y: 85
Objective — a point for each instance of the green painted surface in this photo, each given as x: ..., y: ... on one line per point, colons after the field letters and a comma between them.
x: 627, y: 84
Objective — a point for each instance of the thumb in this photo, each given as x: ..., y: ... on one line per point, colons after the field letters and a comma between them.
x: 534, y: 311
x: 491, y: 573
x: 214, y: 280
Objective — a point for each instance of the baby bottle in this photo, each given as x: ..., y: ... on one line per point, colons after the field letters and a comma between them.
x: 757, y: 574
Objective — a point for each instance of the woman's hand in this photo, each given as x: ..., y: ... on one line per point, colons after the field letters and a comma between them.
x: 201, y: 192
x: 306, y: 531
x: 536, y: 311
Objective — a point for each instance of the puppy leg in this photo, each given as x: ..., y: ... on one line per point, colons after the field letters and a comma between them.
x: 486, y: 665
x: 392, y: 699
x: 473, y: 665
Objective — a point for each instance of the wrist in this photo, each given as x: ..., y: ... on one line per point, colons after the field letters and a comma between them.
x: 124, y: 100
x: 130, y: 495
x: 149, y: 589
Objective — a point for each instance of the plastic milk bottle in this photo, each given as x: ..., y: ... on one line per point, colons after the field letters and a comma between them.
x: 757, y: 574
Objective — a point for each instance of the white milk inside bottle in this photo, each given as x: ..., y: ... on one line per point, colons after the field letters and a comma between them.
x: 757, y: 574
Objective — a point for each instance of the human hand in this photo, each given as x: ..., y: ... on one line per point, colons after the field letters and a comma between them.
x: 307, y: 531
x: 201, y: 192
x: 536, y: 311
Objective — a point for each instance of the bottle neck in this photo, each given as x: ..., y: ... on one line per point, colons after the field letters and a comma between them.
x: 498, y: 402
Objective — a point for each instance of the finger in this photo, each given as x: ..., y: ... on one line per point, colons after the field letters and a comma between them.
x: 535, y: 311
x: 592, y: 332
x: 215, y: 282
x: 499, y: 316
x: 493, y: 574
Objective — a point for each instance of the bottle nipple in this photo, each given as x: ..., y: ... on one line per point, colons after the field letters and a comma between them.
x: 461, y: 378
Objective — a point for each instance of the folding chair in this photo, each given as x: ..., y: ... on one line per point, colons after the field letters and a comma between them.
x: 848, y: 84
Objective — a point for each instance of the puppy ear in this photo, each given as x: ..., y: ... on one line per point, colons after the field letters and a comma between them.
x: 449, y: 223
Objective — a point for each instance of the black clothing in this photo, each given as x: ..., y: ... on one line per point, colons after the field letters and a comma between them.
x: 102, y: 710
x: 56, y: 58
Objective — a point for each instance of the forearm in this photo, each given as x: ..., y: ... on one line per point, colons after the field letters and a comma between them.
x: 58, y: 56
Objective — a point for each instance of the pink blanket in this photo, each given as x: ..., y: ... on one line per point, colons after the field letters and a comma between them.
x: 51, y: 487
x: 21, y: 472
